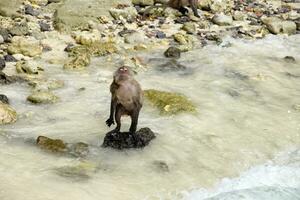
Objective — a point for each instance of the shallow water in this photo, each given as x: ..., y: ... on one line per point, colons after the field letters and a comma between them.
x: 244, y: 99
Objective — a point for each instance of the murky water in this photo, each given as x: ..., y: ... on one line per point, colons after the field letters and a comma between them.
x: 244, y: 95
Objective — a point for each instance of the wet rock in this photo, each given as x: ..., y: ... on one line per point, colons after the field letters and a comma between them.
x: 4, y: 99
x: 125, y: 32
x: 79, y: 172
x: 51, y: 84
x: 169, y: 103
x: 4, y: 34
x: 44, y: 26
x: 125, y: 140
x: 4, y: 79
x: 24, y: 67
x: 19, y: 29
x: 42, y: 97
x: 52, y: 145
x: 30, y: 11
x: 7, y: 114
x: 277, y: 26
x: 222, y: 20
x: 171, y: 65
x: 142, y: 2
x: 2, y: 64
x: 10, y: 58
x: 289, y: 59
x: 189, y: 27
x: 9, y: 8
x: 27, y: 46
x: 172, y: 52
x: 79, y: 149
x: 136, y: 37
x: 128, y: 13
x: 185, y: 41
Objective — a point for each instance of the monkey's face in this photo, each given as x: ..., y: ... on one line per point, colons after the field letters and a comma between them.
x: 123, y: 73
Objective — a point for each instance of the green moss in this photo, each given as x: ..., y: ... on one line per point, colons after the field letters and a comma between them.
x: 81, y: 55
x: 169, y: 103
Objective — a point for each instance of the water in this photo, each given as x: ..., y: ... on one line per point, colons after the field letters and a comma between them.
x: 244, y: 99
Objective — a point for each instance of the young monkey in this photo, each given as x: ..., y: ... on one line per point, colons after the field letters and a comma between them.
x: 177, y: 4
x: 126, y: 98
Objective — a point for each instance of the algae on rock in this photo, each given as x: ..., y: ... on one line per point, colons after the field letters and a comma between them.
x: 81, y: 55
x: 52, y: 145
x: 169, y: 103
x: 42, y: 97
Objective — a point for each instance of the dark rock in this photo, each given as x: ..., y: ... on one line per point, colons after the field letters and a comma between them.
x: 160, y: 35
x: 126, y: 140
x: 10, y: 58
x: 182, y: 20
x: 30, y: 11
x: 69, y: 47
x: 172, y: 65
x: 172, y: 52
x: 5, y: 34
x: 289, y: 59
x: 2, y: 64
x: 125, y: 32
x: 4, y: 99
x: 44, y: 26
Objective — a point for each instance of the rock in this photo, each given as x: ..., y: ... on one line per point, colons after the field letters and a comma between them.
x: 44, y: 26
x: 2, y: 64
x: 7, y: 114
x: 216, y: 6
x: 4, y: 79
x: 69, y: 47
x: 222, y: 20
x: 160, y: 35
x: 289, y: 59
x: 52, y: 145
x: 143, y: 2
x: 9, y: 8
x: 296, y: 107
x: 136, y: 37
x: 19, y: 29
x: 161, y: 166
x: 46, y: 85
x: 10, y: 58
x: 28, y: 68
x: 27, y: 46
x: 87, y: 37
x: 39, y: 2
x: 75, y: 15
x: 54, y: 1
x: 1, y: 39
x: 189, y: 27
x: 125, y: 140
x: 4, y: 34
x: 277, y: 26
x: 169, y: 103
x: 185, y: 41
x: 79, y: 149
x: 4, y: 99
x: 172, y: 52
x: 172, y: 65
x: 239, y: 15
x: 128, y: 13
x: 39, y: 97
x: 30, y: 11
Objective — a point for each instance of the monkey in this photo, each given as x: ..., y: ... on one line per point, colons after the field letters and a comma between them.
x: 126, y: 99
x: 177, y: 4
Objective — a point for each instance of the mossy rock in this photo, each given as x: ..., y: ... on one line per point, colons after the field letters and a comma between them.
x: 52, y: 145
x: 81, y: 55
x: 7, y: 114
x: 169, y: 103
x: 39, y: 97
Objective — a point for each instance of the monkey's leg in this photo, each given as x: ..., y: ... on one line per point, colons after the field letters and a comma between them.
x: 118, y: 114
x: 183, y: 10
x: 110, y: 120
x: 134, y: 120
x: 193, y: 4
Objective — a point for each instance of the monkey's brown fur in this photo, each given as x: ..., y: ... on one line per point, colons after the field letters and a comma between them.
x: 126, y: 99
x: 179, y: 5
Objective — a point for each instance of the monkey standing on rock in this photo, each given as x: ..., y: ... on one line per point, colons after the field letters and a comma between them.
x: 179, y: 5
x: 126, y: 99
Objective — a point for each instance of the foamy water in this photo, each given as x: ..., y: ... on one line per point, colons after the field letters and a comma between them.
x: 244, y: 99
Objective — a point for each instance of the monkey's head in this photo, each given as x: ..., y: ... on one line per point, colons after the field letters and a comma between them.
x: 123, y: 73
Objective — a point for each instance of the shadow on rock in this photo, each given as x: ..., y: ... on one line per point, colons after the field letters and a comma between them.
x: 126, y: 140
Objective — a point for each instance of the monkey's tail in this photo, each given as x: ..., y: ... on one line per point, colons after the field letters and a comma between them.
x: 147, y: 11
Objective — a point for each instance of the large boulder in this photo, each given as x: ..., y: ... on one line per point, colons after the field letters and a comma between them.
x: 28, y: 46
x: 75, y: 14
x: 278, y: 26
x: 9, y: 8
x: 7, y: 114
